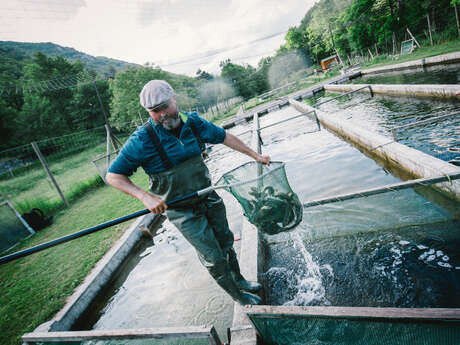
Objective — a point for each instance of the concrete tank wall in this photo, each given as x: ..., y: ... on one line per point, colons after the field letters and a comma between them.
x: 440, y: 91
x: 415, y: 162
x: 422, y: 63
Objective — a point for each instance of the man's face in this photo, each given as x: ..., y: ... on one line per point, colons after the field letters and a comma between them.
x: 169, y: 117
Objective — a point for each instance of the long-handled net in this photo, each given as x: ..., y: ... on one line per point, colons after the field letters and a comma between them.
x: 267, y: 199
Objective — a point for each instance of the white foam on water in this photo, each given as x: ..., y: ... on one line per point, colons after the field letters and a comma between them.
x: 309, y: 285
x: 444, y: 264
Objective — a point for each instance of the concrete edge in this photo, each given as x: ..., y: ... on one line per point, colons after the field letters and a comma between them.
x: 415, y: 162
x: 430, y: 61
x: 98, y: 278
x: 446, y: 91
x: 304, y: 93
x: 242, y: 331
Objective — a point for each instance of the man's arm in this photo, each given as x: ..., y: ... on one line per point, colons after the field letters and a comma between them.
x: 123, y: 183
x: 236, y: 144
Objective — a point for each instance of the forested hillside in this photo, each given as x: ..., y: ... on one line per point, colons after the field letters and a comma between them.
x: 101, y: 64
x: 350, y: 27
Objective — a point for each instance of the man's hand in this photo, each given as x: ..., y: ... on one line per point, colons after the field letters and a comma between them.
x: 121, y: 182
x: 263, y: 159
x: 153, y: 203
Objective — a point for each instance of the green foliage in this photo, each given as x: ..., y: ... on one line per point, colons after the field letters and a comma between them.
x: 49, y: 112
x: 126, y: 86
x: 246, y: 80
x: 348, y: 26
x: 103, y: 65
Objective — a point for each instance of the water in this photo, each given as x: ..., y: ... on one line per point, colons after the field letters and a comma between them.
x: 374, y: 251
x: 440, y: 139
x: 446, y: 74
x: 337, y: 248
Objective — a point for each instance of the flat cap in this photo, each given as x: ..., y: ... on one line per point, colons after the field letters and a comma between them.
x: 155, y: 93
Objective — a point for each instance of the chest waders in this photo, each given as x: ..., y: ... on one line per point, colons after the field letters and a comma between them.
x: 202, y: 220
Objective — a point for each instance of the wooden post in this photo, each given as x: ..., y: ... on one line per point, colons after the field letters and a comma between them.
x: 394, y: 44
x: 10, y: 205
x: 48, y: 171
x: 370, y: 53
x: 429, y: 28
x: 412, y: 36
x: 456, y: 17
x: 114, y: 142
x: 376, y: 51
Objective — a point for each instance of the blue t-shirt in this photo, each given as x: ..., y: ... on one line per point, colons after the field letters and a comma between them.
x: 139, y: 150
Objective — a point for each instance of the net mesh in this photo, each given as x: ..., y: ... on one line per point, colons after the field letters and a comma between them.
x: 265, y: 195
x: 103, y: 162
x: 354, y: 331
x: 11, y: 228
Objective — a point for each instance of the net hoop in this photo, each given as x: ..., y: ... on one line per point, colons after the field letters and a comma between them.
x: 280, y: 166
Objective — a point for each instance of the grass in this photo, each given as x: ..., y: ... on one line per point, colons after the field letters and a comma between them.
x: 74, y: 174
x: 419, y: 53
x: 34, y: 288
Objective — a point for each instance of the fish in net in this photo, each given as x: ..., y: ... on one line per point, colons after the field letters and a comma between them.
x: 267, y: 200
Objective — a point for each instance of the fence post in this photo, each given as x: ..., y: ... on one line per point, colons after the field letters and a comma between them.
x: 429, y: 28
x: 456, y: 17
x: 370, y: 54
x: 48, y: 171
x: 394, y: 43
x: 412, y: 36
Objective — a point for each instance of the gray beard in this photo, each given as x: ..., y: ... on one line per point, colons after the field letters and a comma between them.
x: 171, y: 123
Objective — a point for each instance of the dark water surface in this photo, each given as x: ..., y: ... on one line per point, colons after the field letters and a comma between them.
x: 440, y: 139
x: 391, y: 249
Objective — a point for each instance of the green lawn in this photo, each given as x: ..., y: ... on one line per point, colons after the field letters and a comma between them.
x: 74, y: 174
x: 34, y: 288
x: 419, y: 53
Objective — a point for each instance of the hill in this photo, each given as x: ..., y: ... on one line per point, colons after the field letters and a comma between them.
x: 13, y: 54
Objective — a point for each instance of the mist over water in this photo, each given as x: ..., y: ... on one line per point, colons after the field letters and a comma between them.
x: 216, y: 90
x: 284, y: 68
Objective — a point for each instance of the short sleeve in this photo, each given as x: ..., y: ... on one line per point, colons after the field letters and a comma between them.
x: 128, y: 159
x: 209, y: 132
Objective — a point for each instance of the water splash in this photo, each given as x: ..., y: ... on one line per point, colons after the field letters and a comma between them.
x: 308, y: 283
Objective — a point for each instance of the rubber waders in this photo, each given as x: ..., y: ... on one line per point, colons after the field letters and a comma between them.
x: 227, y: 283
x: 242, y: 283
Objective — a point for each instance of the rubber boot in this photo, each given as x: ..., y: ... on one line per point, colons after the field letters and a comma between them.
x: 242, y: 283
x: 227, y: 283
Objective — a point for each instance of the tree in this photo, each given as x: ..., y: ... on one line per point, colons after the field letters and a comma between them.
x: 86, y: 108
x: 48, y: 104
x: 246, y: 80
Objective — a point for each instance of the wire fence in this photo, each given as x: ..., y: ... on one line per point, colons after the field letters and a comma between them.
x: 66, y: 166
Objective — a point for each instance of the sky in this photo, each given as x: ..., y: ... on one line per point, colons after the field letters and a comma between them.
x: 180, y: 36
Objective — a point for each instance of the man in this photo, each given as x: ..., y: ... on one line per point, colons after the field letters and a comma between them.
x: 168, y: 147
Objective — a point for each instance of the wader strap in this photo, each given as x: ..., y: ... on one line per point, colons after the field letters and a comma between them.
x: 197, y: 136
x: 156, y: 141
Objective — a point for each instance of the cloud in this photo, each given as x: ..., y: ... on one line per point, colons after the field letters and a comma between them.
x: 40, y: 10
x: 161, y: 31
